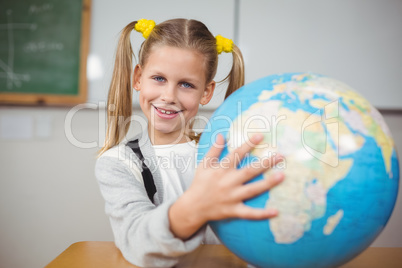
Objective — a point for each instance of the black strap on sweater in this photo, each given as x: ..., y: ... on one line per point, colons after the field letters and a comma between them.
x: 146, y: 173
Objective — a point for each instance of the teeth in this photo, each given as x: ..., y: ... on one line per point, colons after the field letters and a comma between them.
x: 166, y: 112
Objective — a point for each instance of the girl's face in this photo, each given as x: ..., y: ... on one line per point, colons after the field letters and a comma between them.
x: 172, y: 84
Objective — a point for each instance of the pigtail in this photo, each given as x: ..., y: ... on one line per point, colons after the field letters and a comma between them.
x: 236, y: 75
x: 119, y: 104
x: 235, y: 79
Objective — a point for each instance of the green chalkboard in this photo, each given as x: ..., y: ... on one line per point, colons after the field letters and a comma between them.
x: 43, y: 49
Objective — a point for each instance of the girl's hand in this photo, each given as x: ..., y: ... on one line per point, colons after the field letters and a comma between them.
x: 219, y: 189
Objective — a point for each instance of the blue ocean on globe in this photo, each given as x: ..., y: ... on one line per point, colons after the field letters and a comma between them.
x: 341, y: 170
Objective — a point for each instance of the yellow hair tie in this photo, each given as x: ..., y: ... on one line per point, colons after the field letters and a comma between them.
x: 223, y: 44
x: 145, y: 27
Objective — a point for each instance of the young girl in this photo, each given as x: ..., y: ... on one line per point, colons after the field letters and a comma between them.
x: 159, y: 210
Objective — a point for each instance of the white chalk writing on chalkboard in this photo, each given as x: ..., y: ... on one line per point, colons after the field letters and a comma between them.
x: 35, y: 9
x: 7, y: 67
x: 34, y: 47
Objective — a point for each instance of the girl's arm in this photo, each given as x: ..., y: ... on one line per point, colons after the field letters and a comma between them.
x: 218, y: 190
x: 141, y: 229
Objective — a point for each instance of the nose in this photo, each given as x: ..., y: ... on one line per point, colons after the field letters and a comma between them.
x: 169, y: 94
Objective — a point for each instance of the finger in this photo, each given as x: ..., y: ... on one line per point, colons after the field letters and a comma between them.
x: 239, y: 153
x: 246, y: 212
x: 256, y: 188
x: 212, y: 156
x: 258, y: 167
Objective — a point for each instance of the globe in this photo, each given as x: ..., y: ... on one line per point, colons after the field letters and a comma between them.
x: 341, y: 170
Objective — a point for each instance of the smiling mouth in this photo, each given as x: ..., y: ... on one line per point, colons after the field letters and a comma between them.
x: 166, y: 111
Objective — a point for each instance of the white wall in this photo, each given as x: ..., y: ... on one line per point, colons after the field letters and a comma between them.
x: 49, y: 198
x: 355, y: 41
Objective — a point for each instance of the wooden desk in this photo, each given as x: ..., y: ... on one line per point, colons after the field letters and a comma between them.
x: 105, y: 254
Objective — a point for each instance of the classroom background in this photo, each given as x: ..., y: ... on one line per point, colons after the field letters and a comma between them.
x: 49, y: 197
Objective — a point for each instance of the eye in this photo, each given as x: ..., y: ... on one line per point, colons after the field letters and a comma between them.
x: 187, y: 85
x: 159, y: 79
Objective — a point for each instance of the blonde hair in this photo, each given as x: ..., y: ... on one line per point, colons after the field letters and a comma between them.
x: 180, y: 33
